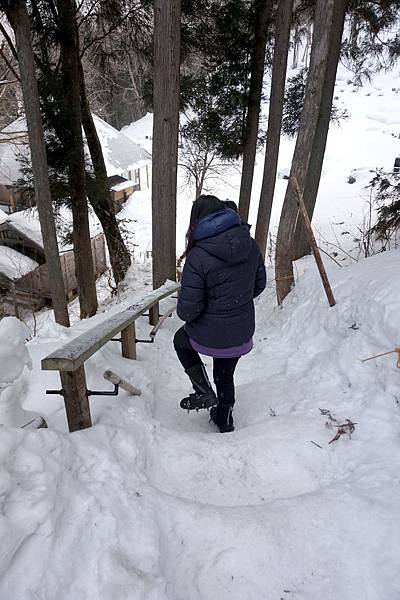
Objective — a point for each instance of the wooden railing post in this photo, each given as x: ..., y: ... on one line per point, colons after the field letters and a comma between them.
x: 76, y: 399
x: 128, y: 342
x: 154, y: 314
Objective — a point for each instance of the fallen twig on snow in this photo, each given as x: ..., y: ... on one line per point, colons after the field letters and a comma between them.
x: 348, y: 428
x: 315, y: 444
x: 327, y: 413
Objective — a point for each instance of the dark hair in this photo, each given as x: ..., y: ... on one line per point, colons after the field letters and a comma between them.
x: 202, y: 207
x: 231, y: 204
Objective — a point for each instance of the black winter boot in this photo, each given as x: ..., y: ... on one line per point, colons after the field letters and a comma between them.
x: 221, y: 416
x: 204, y: 396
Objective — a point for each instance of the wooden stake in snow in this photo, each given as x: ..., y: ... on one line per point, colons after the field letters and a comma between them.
x: 117, y: 380
x: 312, y: 242
x: 397, y: 350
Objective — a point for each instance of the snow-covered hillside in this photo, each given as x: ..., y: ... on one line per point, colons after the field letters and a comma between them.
x: 152, y: 504
x: 368, y: 140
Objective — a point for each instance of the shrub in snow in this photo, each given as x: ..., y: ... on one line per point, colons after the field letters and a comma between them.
x: 386, y: 187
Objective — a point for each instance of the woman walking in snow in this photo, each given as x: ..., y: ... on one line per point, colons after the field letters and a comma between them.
x: 223, y: 273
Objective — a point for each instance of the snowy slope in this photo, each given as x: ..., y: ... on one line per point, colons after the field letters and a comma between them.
x: 152, y: 504
x: 368, y: 140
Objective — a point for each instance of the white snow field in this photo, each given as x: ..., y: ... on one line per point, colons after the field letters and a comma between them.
x: 152, y: 504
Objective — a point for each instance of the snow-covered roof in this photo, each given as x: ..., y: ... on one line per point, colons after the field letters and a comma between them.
x: 13, y: 145
x: 123, y: 185
x: 120, y: 153
x: 3, y: 216
x: 13, y: 264
x: 27, y: 223
x: 141, y: 131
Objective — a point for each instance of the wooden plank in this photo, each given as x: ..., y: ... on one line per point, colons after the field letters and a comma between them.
x: 76, y: 399
x: 128, y: 342
x: 38, y: 423
x: 77, y: 351
x: 313, y: 244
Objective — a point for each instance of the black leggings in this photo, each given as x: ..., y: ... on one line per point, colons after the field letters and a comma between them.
x: 223, y: 371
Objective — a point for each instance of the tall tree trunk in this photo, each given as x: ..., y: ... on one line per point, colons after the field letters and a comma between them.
x: 282, y: 39
x: 263, y: 12
x: 301, y: 245
x: 165, y: 137
x: 323, y: 21
x: 18, y: 17
x: 69, y: 54
x: 99, y: 192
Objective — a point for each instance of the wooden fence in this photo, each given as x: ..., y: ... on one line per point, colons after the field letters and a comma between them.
x: 70, y: 359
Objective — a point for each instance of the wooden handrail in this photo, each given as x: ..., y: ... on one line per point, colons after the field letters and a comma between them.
x: 70, y: 359
x: 73, y: 354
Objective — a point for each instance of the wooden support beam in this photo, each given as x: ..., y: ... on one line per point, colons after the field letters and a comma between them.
x: 128, y: 342
x: 154, y: 314
x: 76, y: 399
x: 125, y: 385
x: 313, y: 243
x: 162, y: 320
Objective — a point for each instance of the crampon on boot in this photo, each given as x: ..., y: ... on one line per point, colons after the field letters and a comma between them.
x: 204, y: 396
x: 221, y: 416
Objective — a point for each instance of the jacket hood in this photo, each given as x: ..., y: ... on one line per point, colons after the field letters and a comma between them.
x: 223, y: 235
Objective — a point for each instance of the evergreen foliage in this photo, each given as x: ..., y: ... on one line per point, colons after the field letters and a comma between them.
x: 294, y: 100
x: 386, y: 187
x: 215, y: 79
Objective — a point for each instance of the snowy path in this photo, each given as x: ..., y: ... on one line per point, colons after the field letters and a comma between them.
x: 153, y: 504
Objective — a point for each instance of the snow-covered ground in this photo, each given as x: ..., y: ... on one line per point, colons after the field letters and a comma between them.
x: 151, y: 503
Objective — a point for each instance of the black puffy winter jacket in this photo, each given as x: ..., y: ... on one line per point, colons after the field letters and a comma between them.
x: 224, y: 271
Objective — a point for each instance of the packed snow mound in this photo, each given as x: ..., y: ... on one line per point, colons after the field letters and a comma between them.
x: 14, y: 356
x: 153, y: 504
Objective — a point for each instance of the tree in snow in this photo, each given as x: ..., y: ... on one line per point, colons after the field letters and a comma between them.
x: 47, y: 34
x: 262, y: 9
x: 310, y: 143
x: 167, y: 33
x: 199, y: 162
x: 116, y: 37
x: 282, y: 37
x: 217, y: 41
x: 18, y: 17
x: 71, y: 106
